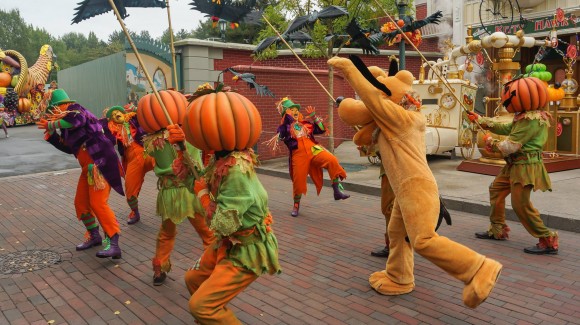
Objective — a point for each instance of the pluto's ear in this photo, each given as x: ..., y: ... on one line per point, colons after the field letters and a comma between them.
x: 361, y: 66
x: 393, y: 67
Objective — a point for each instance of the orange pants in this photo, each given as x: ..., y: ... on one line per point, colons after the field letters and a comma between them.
x: 93, y: 201
x: 215, y: 283
x: 166, y: 239
x: 303, y: 160
x: 136, y: 166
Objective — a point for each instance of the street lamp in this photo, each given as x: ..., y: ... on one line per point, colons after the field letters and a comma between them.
x: 223, y: 26
x: 402, y: 7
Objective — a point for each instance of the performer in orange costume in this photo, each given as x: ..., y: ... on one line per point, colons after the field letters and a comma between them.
x: 124, y: 130
x: 82, y: 135
x: 306, y: 155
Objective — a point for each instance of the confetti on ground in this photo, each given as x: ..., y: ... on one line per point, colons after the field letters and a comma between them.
x: 117, y: 312
x: 128, y: 302
x: 51, y: 321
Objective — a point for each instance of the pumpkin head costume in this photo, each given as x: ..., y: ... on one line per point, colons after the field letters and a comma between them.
x: 175, y: 200
x: 235, y: 202
x: 524, y: 170
x: 73, y: 129
x: 391, y: 103
x: 123, y: 129
x: 306, y: 155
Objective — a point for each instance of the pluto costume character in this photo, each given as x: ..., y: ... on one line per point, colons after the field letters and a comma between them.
x: 391, y: 103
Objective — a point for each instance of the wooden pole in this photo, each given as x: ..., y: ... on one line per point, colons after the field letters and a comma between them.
x: 172, y: 48
x: 188, y: 160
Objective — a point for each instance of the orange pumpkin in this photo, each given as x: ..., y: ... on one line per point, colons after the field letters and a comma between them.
x: 555, y: 93
x: 5, y: 79
x: 524, y: 94
x: 222, y: 121
x: 151, y: 116
x: 24, y: 105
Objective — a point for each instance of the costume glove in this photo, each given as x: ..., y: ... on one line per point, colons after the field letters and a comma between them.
x: 176, y: 134
x: 472, y: 116
x: 200, y: 189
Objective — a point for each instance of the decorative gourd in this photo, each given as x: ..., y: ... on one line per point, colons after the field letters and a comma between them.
x: 151, y: 116
x: 222, y: 121
x: 524, y: 94
x: 5, y: 79
x: 24, y: 105
x: 555, y: 92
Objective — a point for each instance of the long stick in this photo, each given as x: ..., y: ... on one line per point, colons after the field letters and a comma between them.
x: 188, y: 160
x: 299, y: 59
x: 443, y: 79
x: 172, y: 48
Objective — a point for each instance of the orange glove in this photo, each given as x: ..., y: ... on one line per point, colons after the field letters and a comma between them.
x: 488, y: 140
x: 472, y: 116
x: 176, y: 134
x: 42, y: 124
x: 200, y: 189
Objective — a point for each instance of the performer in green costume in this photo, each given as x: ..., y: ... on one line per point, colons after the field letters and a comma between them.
x: 524, y: 171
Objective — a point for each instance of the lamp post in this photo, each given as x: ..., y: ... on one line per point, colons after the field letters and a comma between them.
x: 223, y: 26
x: 402, y: 7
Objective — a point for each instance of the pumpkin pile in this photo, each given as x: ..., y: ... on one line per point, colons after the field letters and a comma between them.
x: 524, y: 94
x: 222, y: 120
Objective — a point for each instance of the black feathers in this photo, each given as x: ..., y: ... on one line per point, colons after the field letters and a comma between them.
x: 230, y: 10
x: 250, y: 78
x: 89, y: 8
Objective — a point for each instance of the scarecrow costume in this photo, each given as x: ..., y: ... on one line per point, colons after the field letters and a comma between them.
x: 175, y: 200
x: 523, y: 172
x: 4, y: 119
x: 245, y: 246
x: 82, y: 135
x: 306, y: 156
x: 124, y: 130
x: 392, y: 104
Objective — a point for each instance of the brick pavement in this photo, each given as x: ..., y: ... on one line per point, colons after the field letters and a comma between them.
x: 324, y: 254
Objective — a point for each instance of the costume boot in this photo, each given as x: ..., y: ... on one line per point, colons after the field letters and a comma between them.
x: 295, y: 209
x: 134, y: 217
x: 338, y: 192
x: 92, y: 238
x: 381, y: 252
x: 547, y: 245
x: 112, y: 248
x: 158, y: 275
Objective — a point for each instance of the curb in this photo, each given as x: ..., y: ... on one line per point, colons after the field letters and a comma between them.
x: 452, y: 203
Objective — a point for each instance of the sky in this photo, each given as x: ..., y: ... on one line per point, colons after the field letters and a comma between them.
x: 55, y: 16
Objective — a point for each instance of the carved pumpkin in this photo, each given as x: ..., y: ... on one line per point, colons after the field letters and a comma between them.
x: 222, y: 121
x: 150, y: 114
x: 24, y: 105
x: 524, y: 94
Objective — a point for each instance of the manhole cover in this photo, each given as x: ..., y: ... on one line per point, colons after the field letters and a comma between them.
x: 27, y: 261
x: 353, y: 167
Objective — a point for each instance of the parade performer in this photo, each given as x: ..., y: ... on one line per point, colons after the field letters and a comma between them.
x: 128, y: 136
x: 82, y: 135
x: 523, y: 172
x: 175, y: 200
x: 393, y: 105
x: 4, y: 118
x: 307, y: 157
x: 245, y: 246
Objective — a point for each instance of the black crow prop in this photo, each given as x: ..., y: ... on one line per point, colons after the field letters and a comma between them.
x: 89, y: 8
x: 230, y: 10
x: 250, y: 79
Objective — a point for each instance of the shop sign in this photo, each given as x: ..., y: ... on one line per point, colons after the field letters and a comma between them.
x: 535, y: 25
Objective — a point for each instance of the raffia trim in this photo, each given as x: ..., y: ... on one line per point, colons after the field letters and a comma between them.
x: 225, y: 222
